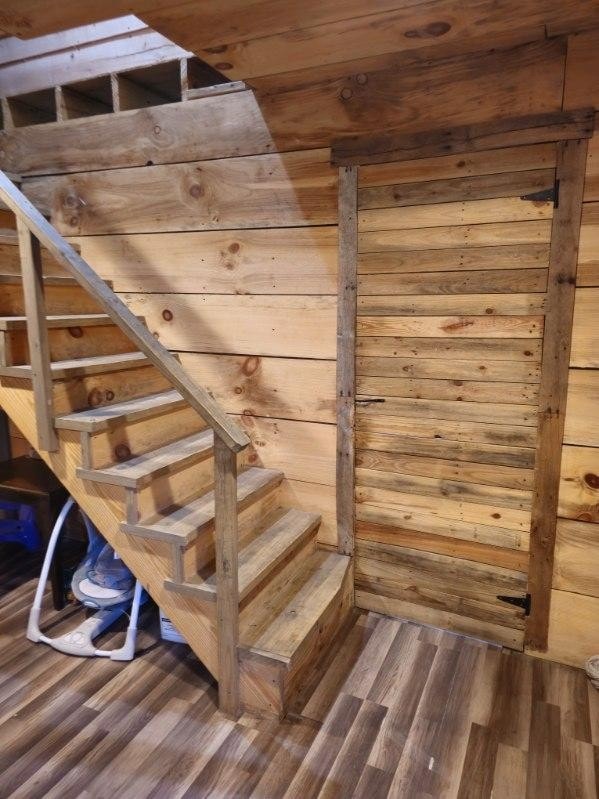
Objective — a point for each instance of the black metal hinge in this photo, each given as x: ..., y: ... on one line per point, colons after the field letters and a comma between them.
x: 545, y: 195
x: 523, y: 602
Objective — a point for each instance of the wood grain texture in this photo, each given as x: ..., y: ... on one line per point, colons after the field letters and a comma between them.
x: 553, y: 387
x: 487, y: 136
x: 210, y: 195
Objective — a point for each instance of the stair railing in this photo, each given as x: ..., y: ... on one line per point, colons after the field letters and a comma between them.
x: 35, y: 230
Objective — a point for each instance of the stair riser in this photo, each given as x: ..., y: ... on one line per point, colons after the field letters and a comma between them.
x: 91, y: 391
x: 200, y: 553
x: 272, y: 683
x: 131, y: 439
x: 175, y: 488
x: 67, y: 343
x: 58, y: 300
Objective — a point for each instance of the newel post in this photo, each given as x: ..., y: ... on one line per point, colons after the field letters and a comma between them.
x: 227, y: 585
x: 37, y: 336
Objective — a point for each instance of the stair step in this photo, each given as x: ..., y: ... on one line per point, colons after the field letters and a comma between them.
x: 260, y: 557
x: 63, y: 320
x: 139, y: 471
x: 80, y: 367
x: 49, y: 280
x: 277, y: 622
x: 110, y: 416
x: 183, y: 524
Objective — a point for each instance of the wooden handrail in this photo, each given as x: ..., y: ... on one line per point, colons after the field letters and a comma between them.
x: 199, y: 399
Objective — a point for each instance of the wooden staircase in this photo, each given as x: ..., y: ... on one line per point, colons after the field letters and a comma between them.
x: 163, y: 473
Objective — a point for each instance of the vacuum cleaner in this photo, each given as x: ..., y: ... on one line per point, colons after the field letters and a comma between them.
x: 101, y: 582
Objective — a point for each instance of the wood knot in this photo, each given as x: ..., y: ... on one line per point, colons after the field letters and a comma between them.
x: 234, y: 247
x: 196, y: 190
x: 223, y: 66
x: 167, y: 315
x: 250, y: 365
x: 431, y: 31
x: 75, y: 332
x: 346, y: 93
x: 122, y: 452
x: 592, y: 480
x: 95, y: 397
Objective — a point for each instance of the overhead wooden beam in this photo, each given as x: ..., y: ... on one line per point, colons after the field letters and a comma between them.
x: 346, y: 354
x: 561, y: 287
x: 509, y: 132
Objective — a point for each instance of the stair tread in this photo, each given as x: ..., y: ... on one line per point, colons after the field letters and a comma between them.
x: 184, y: 522
x: 106, y: 416
x: 95, y: 364
x: 136, y: 471
x: 49, y: 280
x: 58, y: 320
x: 265, y: 551
x: 277, y: 625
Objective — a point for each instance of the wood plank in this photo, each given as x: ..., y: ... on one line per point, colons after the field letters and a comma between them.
x: 442, y: 545
x: 492, y: 454
x: 346, y: 354
x: 448, y: 305
x: 484, y: 235
x: 454, y: 390
x: 522, y: 256
x: 483, y: 432
x: 448, y: 369
x: 283, y: 326
x: 282, y: 388
x: 525, y: 327
x: 496, y: 413
x: 492, y: 350
x: 438, y: 618
x: 444, y: 214
x: 585, y: 329
x: 300, y: 261
x: 507, y: 132
x: 578, y: 484
x: 440, y: 487
x: 455, y: 167
x: 292, y: 189
x: 553, y: 388
x: 576, y: 561
x: 37, y: 336
x: 487, y: 282
x: 438, y: 190
x: 227, y: 583
x: 449, y: 509
x: 573, y: 628
x: 582, y: 423
x: 446, y: 469
x: 396, y: 582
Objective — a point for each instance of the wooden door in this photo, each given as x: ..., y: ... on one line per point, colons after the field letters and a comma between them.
x: 453, y: 256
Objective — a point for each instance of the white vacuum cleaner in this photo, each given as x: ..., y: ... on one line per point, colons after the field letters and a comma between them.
x: 101, y: 582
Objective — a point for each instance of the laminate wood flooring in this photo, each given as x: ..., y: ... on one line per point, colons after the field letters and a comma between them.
x: 403, y: 711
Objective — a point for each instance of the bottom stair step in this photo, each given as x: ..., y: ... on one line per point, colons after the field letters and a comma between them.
x: 261, y: 556
x: 278, y: 623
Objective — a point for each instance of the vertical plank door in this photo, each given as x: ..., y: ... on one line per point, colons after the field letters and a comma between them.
x: 453, y: 267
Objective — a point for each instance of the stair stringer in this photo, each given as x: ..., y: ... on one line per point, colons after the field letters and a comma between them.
x: 148, y: 560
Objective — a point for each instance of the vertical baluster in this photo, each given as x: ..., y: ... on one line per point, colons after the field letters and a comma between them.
x: 227, y: 586
x: 37, y: 336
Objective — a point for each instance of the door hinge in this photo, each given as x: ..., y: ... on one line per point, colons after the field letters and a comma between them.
x: 523, y: 602
x: 545, y: 195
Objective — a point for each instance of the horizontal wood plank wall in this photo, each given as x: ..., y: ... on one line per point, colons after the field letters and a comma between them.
x: 574, y: 619
x: 452, y: 274
x: 233, y: 264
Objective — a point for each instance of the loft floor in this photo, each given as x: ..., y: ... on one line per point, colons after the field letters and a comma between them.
x: 403, y: 711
